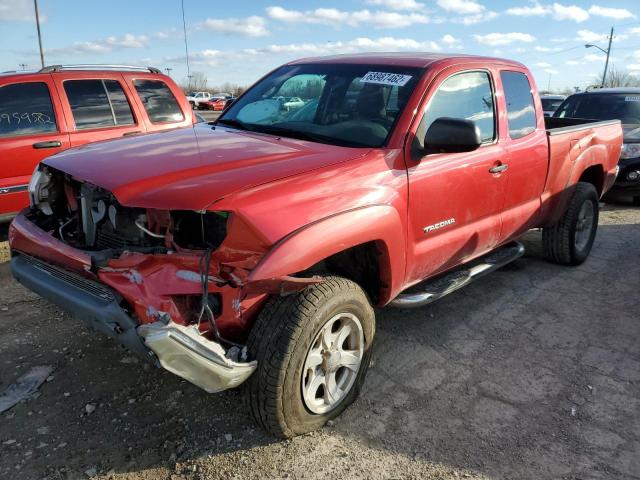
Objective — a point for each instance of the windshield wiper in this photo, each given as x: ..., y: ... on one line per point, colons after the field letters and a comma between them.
x: 300, y: 135
x: 232, y: 122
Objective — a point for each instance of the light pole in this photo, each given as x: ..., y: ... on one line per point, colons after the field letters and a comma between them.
x: 168, y: 70
x: 35, y: 4
x: 607, y: 52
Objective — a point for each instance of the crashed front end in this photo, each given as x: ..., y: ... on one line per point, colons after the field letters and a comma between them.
x: 171, y: 285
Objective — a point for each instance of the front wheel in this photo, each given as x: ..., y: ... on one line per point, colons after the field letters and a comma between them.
x: 313, y: 350
x: 569, y: 241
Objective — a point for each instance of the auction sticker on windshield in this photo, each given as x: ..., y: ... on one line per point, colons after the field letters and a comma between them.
x: 383, y: 78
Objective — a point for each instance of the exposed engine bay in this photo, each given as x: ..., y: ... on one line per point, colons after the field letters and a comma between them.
x: 90, y: 218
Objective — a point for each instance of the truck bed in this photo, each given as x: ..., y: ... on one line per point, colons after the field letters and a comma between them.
x: 574, y: 145
x: 557, y: 125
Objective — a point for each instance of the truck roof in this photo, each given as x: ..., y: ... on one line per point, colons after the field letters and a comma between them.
x: 405, y: 59
x: 610, y: 90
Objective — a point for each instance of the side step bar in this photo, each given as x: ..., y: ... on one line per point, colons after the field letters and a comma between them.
x: 431, y: 290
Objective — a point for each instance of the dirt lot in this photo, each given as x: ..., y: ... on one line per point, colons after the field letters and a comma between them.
x: 532, y: 373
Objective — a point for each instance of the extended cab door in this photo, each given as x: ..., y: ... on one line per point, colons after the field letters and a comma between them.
x: 97, y: 106
x: 32, y: 127
x: 528, y: 153
x: 454, y: 198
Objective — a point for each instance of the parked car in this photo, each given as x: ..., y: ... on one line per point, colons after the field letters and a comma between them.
x: 614, y: 103
x: 550, y: 103
x: 217, y: 102
x: 194, y: 98
x: 59, y: 107
x: 253, y: 252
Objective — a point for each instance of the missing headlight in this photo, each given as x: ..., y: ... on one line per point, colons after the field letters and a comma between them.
x: 196, y: 230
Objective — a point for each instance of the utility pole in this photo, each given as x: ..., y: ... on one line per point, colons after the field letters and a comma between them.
x: 607, y: 52
x: 168, y: 70
x: 23, y: 66
x: 35, y: 4
x: 606, y: 63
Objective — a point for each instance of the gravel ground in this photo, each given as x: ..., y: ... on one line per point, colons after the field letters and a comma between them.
x: 532, y: 373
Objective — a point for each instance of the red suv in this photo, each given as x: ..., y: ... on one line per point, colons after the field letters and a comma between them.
x: 60, y: 107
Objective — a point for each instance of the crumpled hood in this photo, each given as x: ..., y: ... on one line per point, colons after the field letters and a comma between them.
x: 189, y: 168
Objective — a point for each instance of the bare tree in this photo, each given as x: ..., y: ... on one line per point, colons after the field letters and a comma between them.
x: 198, y: 81
x: 620, y: 78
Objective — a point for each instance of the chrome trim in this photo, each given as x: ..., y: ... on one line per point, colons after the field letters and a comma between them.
x: 14, y: 189
x: 186, y: 353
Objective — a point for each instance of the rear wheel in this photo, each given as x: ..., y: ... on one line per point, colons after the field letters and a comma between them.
x: 313, y: 350
x: 569, y: 241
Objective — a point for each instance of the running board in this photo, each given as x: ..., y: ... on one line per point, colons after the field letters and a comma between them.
x: 431, y: 290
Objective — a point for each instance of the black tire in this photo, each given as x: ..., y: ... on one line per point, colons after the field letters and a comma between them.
x: 280, y: 340
x: 559, y: 240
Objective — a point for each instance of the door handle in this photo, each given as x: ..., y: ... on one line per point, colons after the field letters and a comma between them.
x: 126, y: 134
x: 498, y: 168
x: 49, y: 144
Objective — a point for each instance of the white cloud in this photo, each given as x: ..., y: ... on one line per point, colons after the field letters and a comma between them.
x: 592, y: 37
x: 451, y: 42
x: 461, y: 7
x: 107, y: 45
x: 536, y: 10
x: 634, y: 66
x: 361, y: 44
x: 335, y: 17
x: 473, y: 19
x: 557, y: 11
x: 551, y: 71
x: 634, y: 31
x: 543, y: 65
x: 204, y: 57
x: 595, y: 57
x: 496, y: 39
x: 251, y: 26
x: 573, y: 62
x: 397, y: 4
x: 569, y: 12
x: 615, y: 13
x: 19, y: 11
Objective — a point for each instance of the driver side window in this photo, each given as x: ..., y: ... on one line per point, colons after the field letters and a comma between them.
x: 467, y: 96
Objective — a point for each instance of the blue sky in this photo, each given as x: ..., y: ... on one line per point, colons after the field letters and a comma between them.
x: 239, y: 41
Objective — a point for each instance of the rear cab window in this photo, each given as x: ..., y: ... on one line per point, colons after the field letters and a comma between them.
x: 158, y: 101
x: 26, y: 109
x: 98, y: 103
x: 521, y: 112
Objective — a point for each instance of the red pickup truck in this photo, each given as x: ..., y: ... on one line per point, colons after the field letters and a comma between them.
x: 254, y: 251
x: 58, y: 107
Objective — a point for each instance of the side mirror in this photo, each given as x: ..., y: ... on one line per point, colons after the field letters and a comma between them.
x: 449, y: 135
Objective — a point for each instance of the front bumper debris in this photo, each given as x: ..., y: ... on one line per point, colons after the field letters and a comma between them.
x: 179, y: 349
x: 186, y: 353
x: 94, y: 303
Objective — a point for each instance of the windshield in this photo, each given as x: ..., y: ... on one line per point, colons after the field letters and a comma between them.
x: 348, y: 105
x: 602, y: 106
x: 550, y: 104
